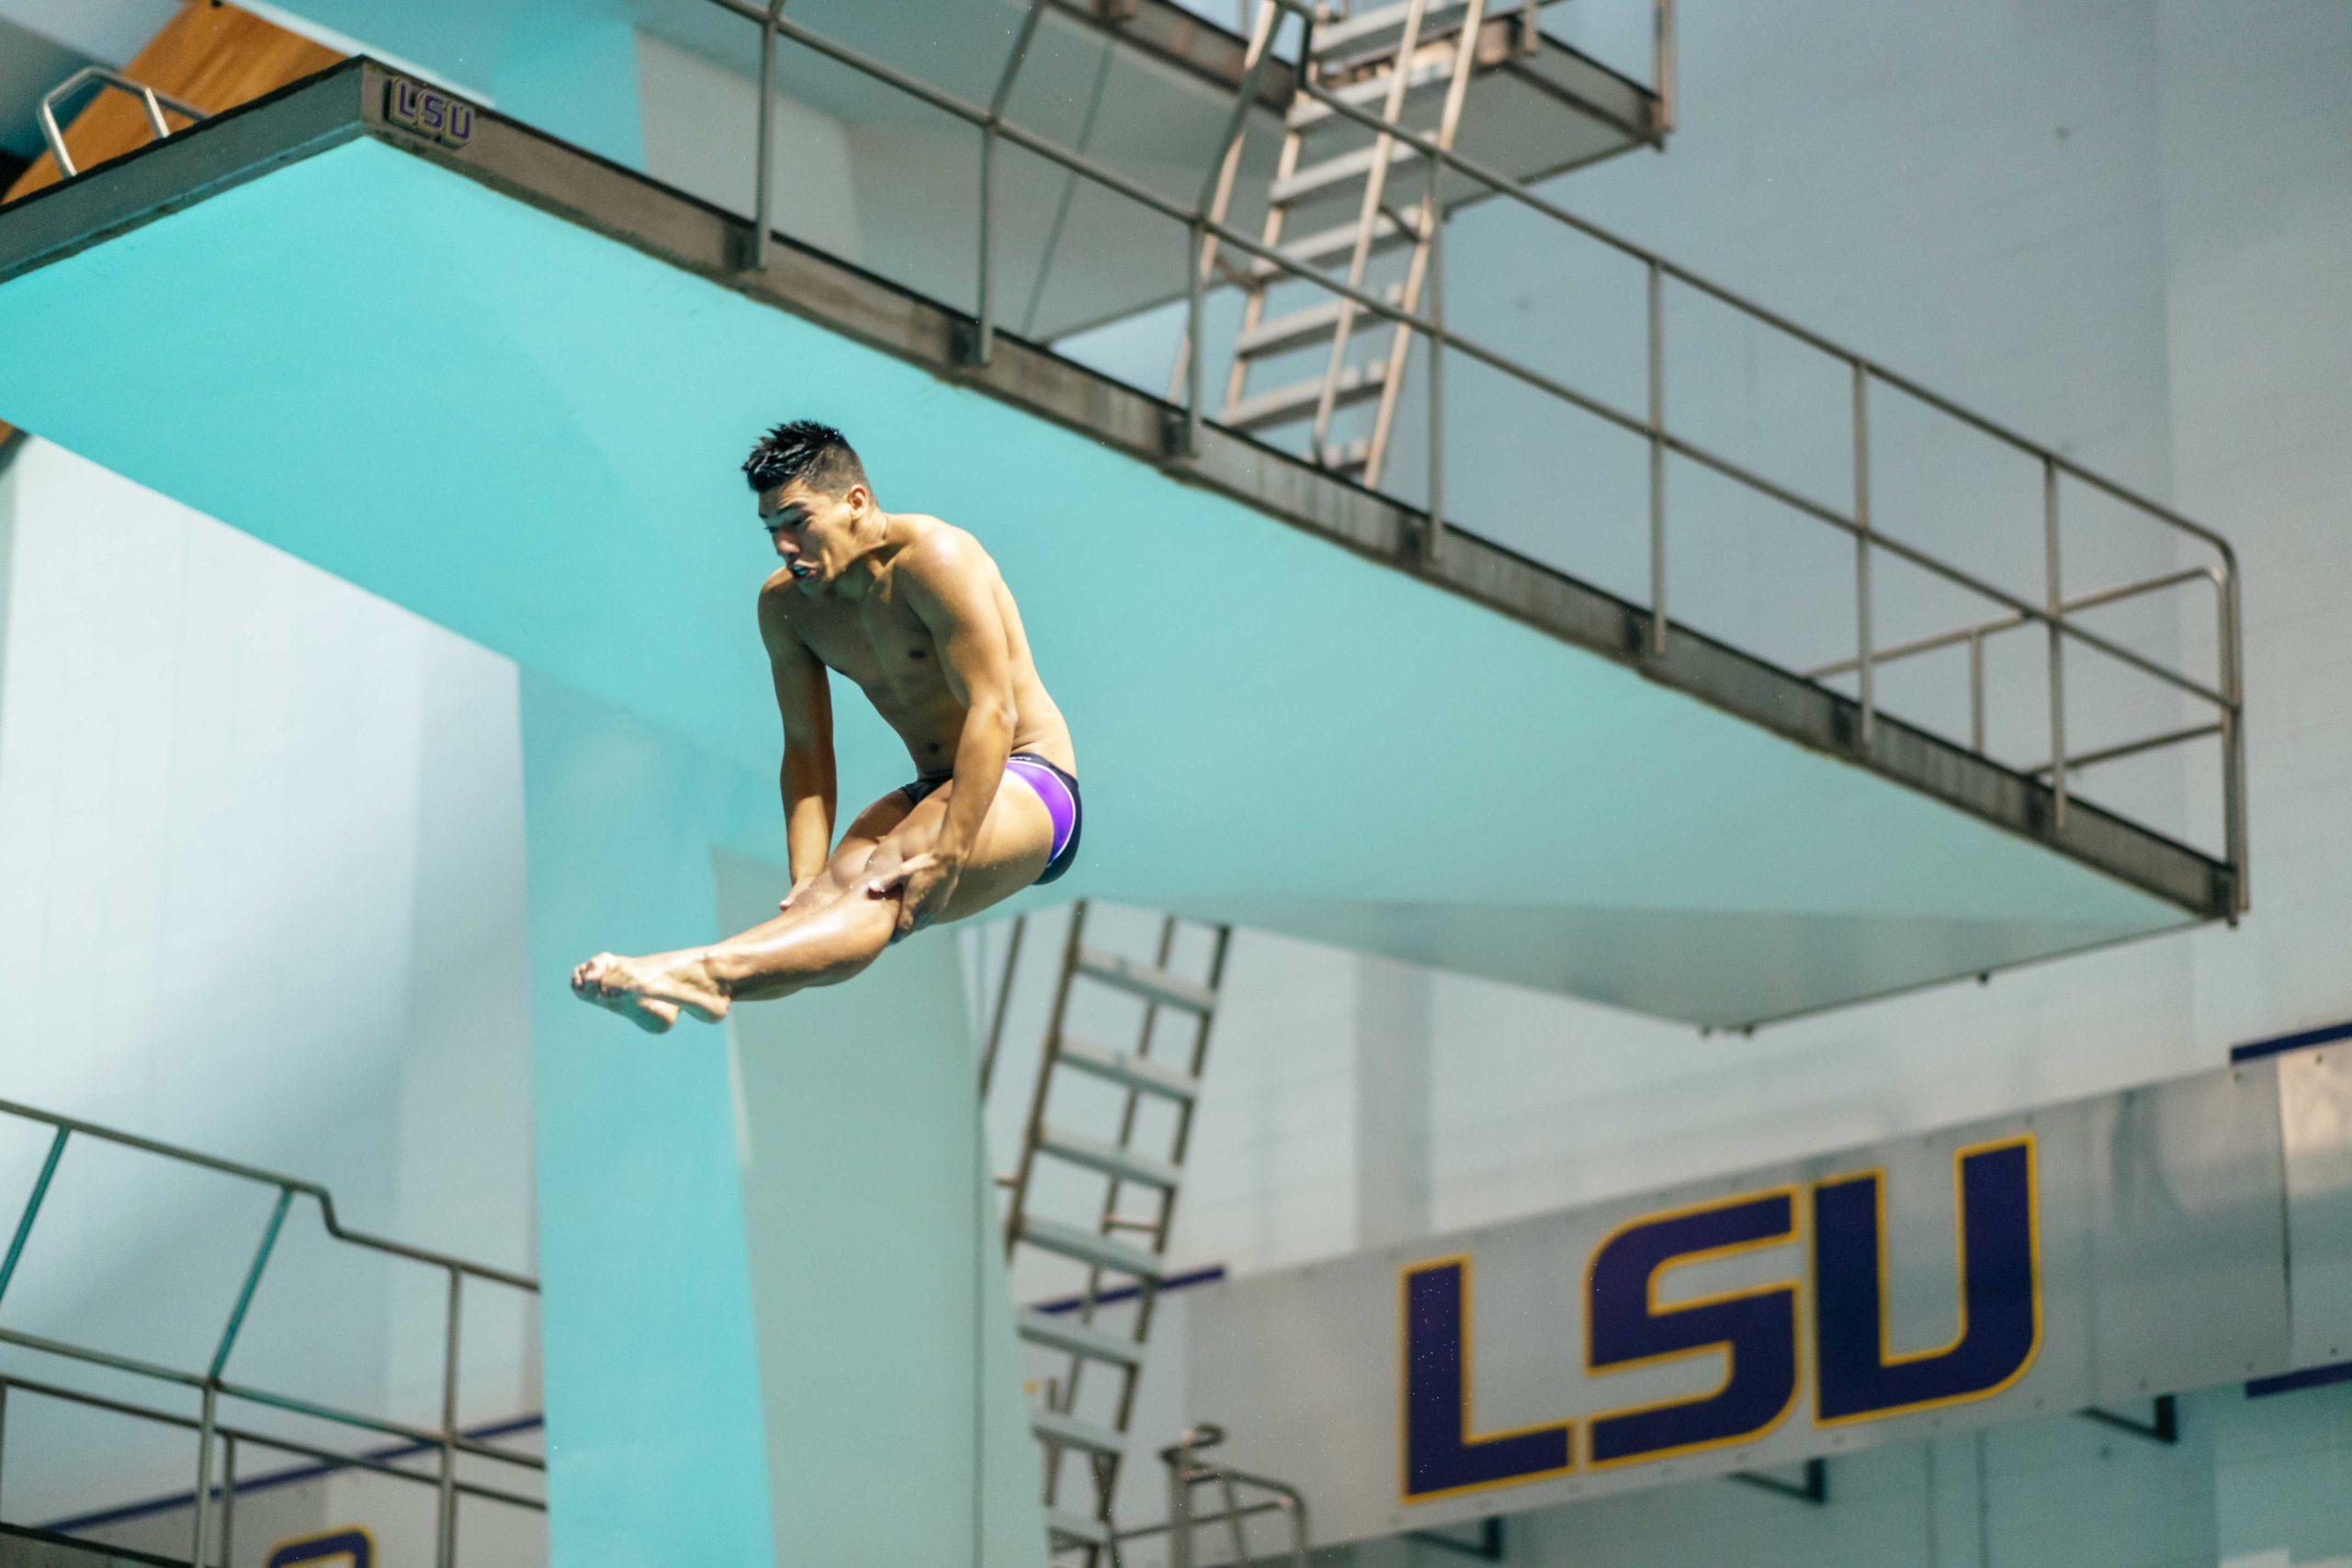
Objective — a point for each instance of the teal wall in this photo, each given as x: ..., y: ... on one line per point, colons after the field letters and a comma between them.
x: 656, y: 1448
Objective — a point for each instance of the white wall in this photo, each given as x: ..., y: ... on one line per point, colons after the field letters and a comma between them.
x: 260, y: 895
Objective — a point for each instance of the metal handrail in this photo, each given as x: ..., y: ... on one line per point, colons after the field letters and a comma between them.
x: 2225, y: 693
x: 1187, y: 1469
x: 155, y: 102
x: 213, y: 1383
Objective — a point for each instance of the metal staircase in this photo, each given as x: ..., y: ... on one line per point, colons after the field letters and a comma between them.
x: 1121, y: 1246
x: 1333, y: 208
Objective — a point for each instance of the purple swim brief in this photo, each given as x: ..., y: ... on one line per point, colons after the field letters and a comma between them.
x: 1057, y: 789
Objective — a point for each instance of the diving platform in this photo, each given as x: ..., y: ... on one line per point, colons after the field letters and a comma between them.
x: 506, y: 383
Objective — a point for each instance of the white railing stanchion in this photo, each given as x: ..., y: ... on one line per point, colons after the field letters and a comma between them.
x: 1656, y: 333
x: 2057, y: 645
x: 1865, y: 662
x: 763, y: 161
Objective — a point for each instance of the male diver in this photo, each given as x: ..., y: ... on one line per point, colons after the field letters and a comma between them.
x: 914, y: 612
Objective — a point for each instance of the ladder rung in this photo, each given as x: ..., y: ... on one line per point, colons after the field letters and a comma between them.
x: 1072, y: 1433
x: 1299, y: 399
x: 1360, y: 35
x: 1306, y: 114
x: 1062, y: 1331
x: 1089, y: 1247
x: 1128, y: 1165
x: 1280, y: 334
x: 1347, y: 166
x: 1077, y: 1526
x: 1152, y: 984
x: 1328, y: 245
x: 1139, y: 1073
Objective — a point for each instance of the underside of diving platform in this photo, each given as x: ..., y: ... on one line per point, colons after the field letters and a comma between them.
x: 506, y: 385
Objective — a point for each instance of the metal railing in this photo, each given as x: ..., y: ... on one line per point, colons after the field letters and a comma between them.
x: 1187, y: 1470
x: 212, y: 1383
x: 155, y: 102
x: 2050, y: 609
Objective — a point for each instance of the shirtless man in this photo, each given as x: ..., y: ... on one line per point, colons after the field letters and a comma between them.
x: 914, y: 612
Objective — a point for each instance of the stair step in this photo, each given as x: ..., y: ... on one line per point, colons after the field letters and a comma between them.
x: 1067, y: 1526
x: 1096, y: 1154
x: 1299, y: 399
x: 1369, y: 95
x: 1139, y: 1073
x: 1071, y: 1432
x: 1340, y: 170
x: 1090, y: 1246
x: 1278, y: 334
x: 1061, y: 1331
x: 1384, y: 28
x: 1325, y: 246
x: 1152, y: 984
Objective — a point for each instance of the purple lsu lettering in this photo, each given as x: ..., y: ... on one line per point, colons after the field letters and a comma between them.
x: 1859, y: 1375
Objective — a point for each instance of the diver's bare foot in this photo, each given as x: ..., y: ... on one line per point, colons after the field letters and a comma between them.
x: 649, y: 992
x: 589, y: 982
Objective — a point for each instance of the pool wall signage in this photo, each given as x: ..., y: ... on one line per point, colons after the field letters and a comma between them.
x: 428, y: 111
x: 2098, y: 1253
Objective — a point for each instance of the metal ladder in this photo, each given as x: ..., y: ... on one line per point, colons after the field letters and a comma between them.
x: 1387, y: 61
x: 1101, y: 1242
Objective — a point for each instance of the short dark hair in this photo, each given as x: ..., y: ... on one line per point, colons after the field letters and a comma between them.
x: 817, y: 454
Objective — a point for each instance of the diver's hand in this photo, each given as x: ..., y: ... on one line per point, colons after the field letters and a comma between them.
x: 922, y: 886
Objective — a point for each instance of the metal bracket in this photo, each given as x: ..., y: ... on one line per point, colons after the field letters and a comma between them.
x: 2165, y: 1429
x: 1814, y: 1489
x: 1487, y: 1547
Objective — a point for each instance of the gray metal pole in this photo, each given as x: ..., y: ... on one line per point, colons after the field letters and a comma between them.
x: 228, y: 1500
x: 444, y: 1550
x: 1862, y: 548
x: 984, y: 286
x: 1657, y: 459
x: 2057, y: 645
x: 1195, y: 286
x: 1180, y: 1506
x: 2233, y: 736
x: 203, y: 1476
x: 1662, y: 65
x: 1977, y: 692
x: 1434, y: 543
x: 4, y: 1429
x: 764, y: 161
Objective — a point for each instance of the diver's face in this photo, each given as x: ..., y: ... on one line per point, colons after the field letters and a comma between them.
x: 815, y: 534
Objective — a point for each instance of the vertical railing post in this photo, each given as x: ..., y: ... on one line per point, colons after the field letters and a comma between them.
x: 1195, y: 313
x: 228, y: 1501
x: 4, y: 1429
x: 1656, y: 331
x: 204, y: 1427
x: 1862, y: 551
x: 984, y: 292
x: 32, y: 1210
x: 221, y: 1364
x: 1976, y: 692
x: 2054, y: 592
x: 1433, y: 542
x: 984, y: 286
x: 2233, y: 738
x: 1180, y: 1503
x: 763, y: 161
x: 445, y: 1549
x: 1662, y: 65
